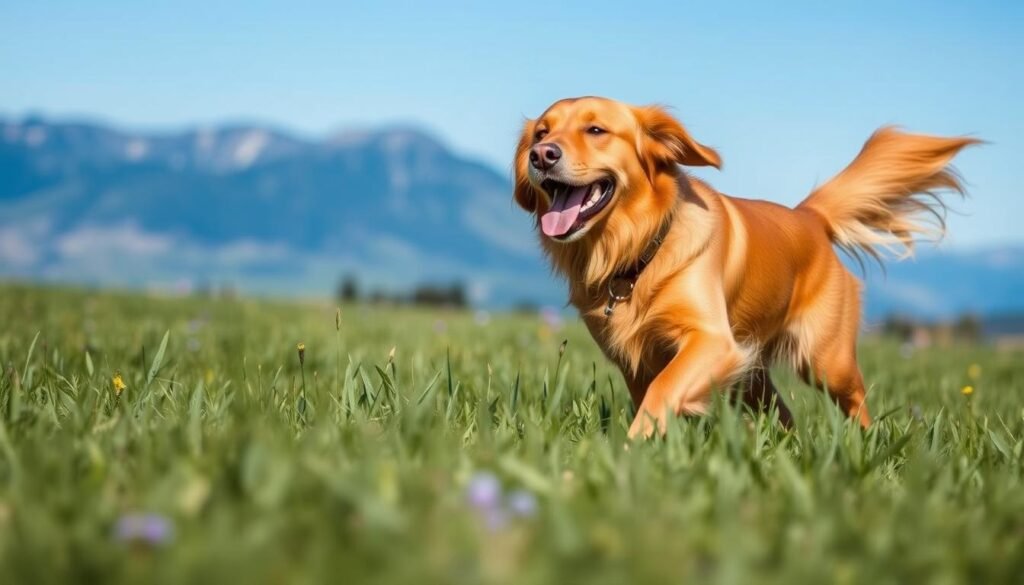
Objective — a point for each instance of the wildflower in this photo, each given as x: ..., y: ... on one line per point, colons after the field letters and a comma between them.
x: 552, y: 317
x: 337, y: 319
x: 484, y: 491
x: 967, y: 390
x: 561, y: 348
x: 302, y: 353
x: 118, y: 383
x: 522, y: 503
x: 147, y: 529
x: 484, y: 495
x: 391, y: 354
x: 974, y: 371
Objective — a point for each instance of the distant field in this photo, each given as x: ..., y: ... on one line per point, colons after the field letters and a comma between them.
x: 475, y: 454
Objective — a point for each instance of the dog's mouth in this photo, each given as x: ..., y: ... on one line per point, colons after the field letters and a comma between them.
x: 573, y: 205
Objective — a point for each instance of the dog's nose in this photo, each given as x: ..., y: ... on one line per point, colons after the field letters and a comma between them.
x: 543, y: 156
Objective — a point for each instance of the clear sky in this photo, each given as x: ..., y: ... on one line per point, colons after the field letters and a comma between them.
x: 787, y: 91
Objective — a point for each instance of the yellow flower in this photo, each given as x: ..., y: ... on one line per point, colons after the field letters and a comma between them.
x: 118, y: 383
x: 967, y: 390
x: 974, y: 371
x: 302, y: 352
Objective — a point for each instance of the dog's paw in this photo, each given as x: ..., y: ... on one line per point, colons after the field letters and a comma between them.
x: 646, y: 425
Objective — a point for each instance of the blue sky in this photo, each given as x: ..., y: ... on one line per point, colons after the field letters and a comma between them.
x: 786, y: 93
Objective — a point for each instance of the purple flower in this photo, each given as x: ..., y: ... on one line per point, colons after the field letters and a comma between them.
x: 484, y: 491
x: 551, y: 317
x: 151, y: 529
x: 522, y: 503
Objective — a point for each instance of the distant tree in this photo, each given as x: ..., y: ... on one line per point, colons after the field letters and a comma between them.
x: 526, y: 307
x: 434, y: 295
x: 427, y: 294
x: 348, y: 289
x: 899, y: 327
x: 457, y: 295
x: 967, y: 328
x: 380, y: 297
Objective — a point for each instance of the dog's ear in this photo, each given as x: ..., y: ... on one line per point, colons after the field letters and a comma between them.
x: 663, y: 140
x: 525, y: 195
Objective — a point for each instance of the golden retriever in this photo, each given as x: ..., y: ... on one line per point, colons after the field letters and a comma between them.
x: 687, y: 289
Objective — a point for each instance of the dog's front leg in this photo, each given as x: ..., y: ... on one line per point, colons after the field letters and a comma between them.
x: 703, y: 361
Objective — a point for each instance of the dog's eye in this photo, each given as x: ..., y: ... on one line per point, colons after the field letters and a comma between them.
x: 595, y: 130
x: 540, y: 135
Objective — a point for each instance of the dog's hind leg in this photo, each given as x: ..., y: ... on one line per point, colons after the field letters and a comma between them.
x: 832, y: 357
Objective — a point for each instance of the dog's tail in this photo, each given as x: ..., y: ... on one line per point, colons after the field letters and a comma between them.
x: 891, y: 193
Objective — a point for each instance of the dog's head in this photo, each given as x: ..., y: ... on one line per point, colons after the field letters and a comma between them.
x: 588, y: 159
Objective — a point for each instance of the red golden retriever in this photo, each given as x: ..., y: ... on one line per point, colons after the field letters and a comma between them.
x: 687, y: 289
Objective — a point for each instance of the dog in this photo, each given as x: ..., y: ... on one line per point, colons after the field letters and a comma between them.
x: 686, y: 289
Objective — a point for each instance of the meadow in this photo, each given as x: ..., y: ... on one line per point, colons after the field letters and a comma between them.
x: 167, y: 440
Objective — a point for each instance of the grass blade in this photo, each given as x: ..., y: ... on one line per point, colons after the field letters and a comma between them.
x: 157, y: 359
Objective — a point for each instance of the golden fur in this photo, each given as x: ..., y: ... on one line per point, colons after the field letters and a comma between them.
x: 737, y: 283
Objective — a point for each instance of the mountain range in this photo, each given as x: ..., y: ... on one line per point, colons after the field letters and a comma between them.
x: 271, y: 212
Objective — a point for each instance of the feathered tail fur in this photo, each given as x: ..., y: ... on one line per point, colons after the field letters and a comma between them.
x: 891, y: 193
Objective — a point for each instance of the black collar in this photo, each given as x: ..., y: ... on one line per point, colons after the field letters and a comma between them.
x: 620, y: 287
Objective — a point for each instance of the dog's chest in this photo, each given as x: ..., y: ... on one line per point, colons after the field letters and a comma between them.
x: 626, y: 336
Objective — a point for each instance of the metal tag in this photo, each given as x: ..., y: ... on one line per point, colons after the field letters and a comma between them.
x: 619, y: 289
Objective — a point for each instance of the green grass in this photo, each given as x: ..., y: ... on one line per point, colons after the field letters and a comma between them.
x: 354, y: 468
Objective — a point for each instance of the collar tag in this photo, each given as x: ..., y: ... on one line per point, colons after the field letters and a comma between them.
x: 619, y: 289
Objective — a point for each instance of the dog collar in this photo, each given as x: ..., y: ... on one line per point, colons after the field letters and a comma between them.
x: 620, y: 287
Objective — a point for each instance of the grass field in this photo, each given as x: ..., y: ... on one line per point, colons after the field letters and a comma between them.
x: 475, y: 453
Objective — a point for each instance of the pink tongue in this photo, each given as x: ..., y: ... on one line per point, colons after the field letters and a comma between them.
x: 564, y: 210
